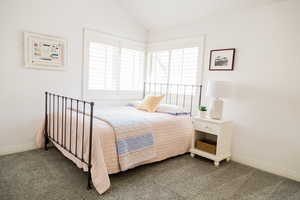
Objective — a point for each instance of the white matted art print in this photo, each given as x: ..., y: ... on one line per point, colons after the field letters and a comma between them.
x: 222, y: 59
x: 44, y: 51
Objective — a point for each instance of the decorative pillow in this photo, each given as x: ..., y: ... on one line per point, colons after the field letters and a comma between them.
x: 150, y: 103
x: 171, y: 109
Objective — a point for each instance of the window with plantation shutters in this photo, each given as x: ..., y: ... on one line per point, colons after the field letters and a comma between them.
x: 175, y: 66
x: 113, y: 67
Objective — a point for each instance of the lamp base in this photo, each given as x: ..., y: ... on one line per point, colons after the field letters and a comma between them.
x: 215, y: 110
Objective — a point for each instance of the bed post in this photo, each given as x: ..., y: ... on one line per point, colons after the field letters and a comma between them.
x: 46, y: 122
x: 90, y: 146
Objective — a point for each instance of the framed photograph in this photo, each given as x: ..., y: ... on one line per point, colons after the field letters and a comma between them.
x: 221, y: 59
x: 44, y: 51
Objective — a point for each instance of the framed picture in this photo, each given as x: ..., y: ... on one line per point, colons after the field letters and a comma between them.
x: 221, y: 59
x: 44, y: 51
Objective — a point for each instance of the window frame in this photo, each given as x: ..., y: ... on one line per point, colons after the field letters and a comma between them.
x: 99, y: 37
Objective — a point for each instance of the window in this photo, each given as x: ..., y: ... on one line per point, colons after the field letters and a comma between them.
x: 176, y: 66
x: 114, y: 67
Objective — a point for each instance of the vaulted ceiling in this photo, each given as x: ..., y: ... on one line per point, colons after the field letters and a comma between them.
x: 161, y: 14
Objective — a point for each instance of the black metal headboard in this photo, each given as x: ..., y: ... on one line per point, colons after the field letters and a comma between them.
x: 186, y: 96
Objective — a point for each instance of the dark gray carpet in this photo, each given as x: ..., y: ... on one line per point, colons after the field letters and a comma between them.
x: 48, y: 175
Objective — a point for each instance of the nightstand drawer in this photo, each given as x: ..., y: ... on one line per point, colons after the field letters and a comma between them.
x: 207, y: 127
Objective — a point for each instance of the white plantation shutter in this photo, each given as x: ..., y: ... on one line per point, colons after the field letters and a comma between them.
x: 132, y: 69
x: 114, y: 67
x: 176, y: 66
x: 184, y: 66
x: 158, y: 67
x: 103, y: 67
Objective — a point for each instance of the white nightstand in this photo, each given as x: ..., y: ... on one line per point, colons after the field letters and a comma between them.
x: 218, y: 131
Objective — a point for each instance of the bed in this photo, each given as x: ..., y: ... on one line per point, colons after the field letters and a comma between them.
x: 109, y: 140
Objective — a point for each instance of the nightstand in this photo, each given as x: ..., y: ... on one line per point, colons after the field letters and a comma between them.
x: 218, y: 133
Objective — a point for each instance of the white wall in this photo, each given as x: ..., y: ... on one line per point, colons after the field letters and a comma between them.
x: 22, y: 90
x: 265, y: 108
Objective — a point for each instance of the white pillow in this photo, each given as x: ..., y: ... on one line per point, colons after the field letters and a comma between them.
x: 171, y: 109
x: 134, y: 103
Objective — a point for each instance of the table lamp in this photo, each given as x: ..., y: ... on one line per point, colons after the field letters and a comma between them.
x: 217, y: 90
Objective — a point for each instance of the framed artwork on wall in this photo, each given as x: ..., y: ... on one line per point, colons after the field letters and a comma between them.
x: 222, y: 59
x: 44, y: 51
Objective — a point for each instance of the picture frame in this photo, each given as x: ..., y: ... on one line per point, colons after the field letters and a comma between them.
x: 222, y: 59
x: 44, y: 51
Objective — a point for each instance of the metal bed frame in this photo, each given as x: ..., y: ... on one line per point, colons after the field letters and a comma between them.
x: 58, y: 104
x: 176, y: 94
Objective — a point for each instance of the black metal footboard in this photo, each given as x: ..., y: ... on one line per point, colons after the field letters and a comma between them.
x: 65, y: 120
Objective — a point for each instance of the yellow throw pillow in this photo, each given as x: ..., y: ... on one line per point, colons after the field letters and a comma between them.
x: 150, y: 103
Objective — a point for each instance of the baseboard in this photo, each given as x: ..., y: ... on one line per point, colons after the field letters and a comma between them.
x: 271, y: 168
x: 16, y: 148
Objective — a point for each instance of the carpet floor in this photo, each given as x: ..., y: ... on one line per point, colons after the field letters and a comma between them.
x: 41, y: 175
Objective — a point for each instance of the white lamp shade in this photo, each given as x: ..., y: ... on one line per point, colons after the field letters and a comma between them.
x: 219, y: 89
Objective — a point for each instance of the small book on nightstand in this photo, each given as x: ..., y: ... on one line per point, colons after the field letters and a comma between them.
x: 212, y: 139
